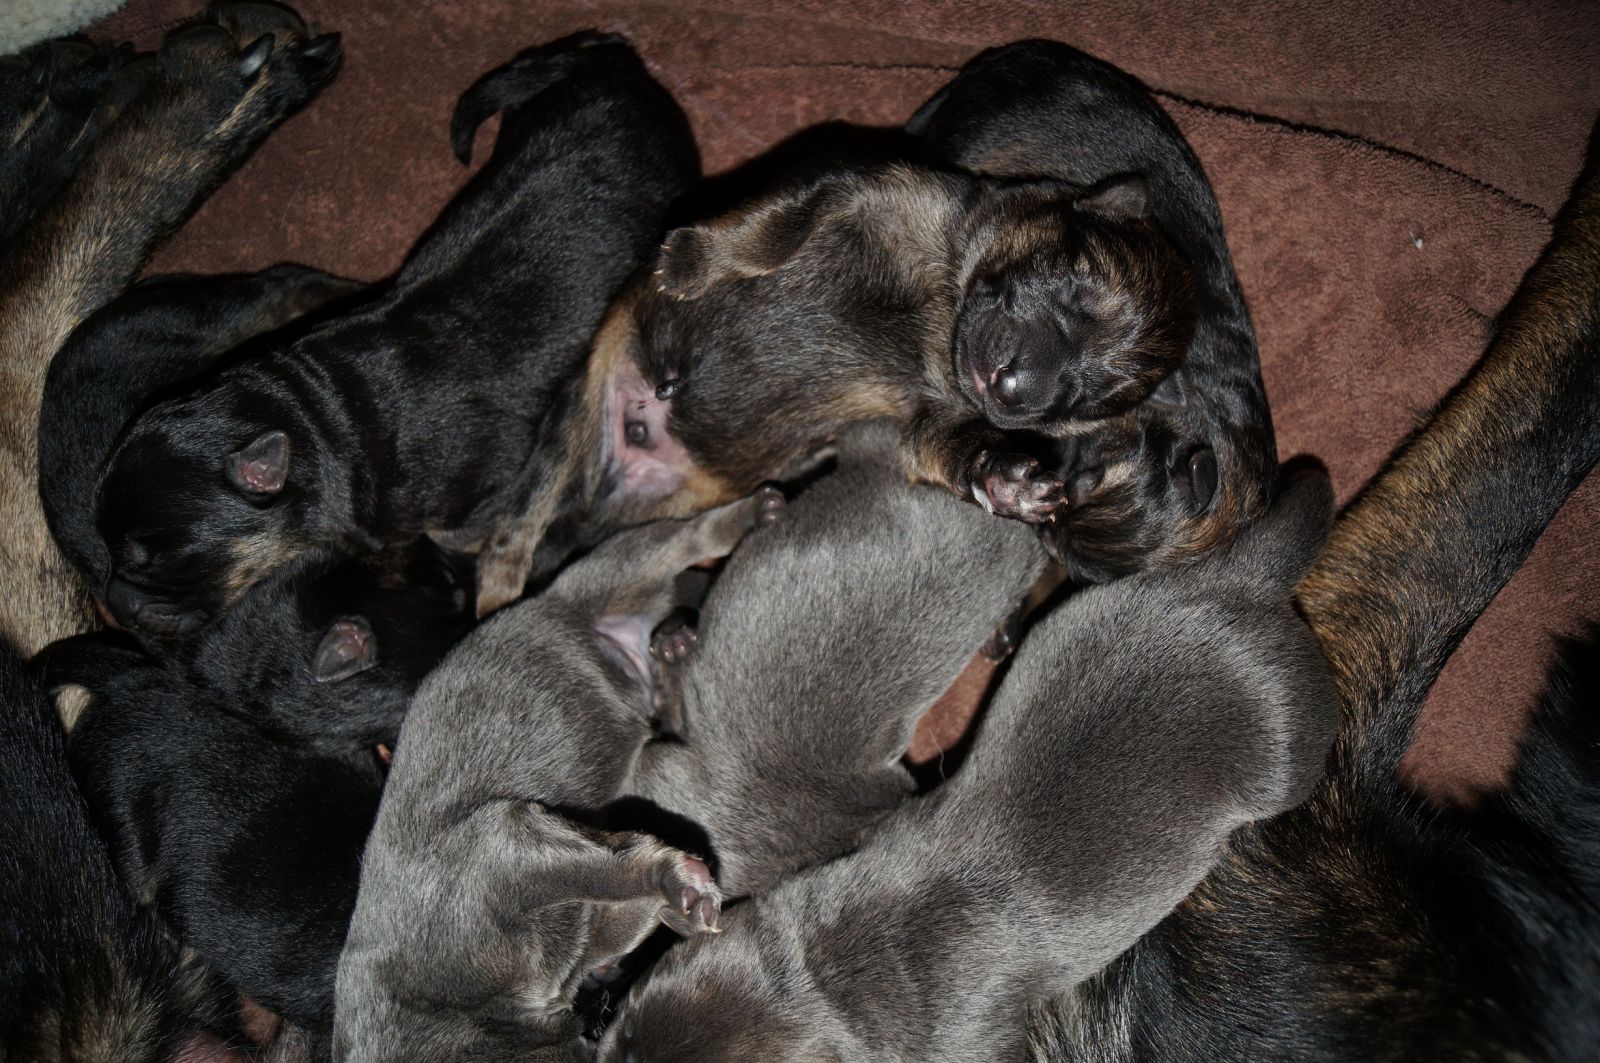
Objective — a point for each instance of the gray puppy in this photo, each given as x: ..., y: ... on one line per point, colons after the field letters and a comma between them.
x: 484, y: 900
x: 1140, y: 724
x: 824, y: 641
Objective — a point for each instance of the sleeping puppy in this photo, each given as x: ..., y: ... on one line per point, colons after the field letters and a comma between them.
x: 1198, y: 456
x: 157, y: 338
x: 1140, y: 723
x: 488, y: 889
x: 822, y: 643
x: 86, y: 976
x: 170, y: 127
x: 236, y: 777
x: 830, y: 298
x: 430, y: 409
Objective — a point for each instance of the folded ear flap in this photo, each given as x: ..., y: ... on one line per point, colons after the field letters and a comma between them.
x: 349, y: 648
x: 1123, y: 198
x: 751, y: 242
x: 261, y: 467
x: 1170, y: 393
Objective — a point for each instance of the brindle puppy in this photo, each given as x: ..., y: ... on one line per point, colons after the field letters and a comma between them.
x: 1193, y: 462
x: 361, y: 432
x: 833, y: 298
x: 1079, y: 314
x: 206, y: 99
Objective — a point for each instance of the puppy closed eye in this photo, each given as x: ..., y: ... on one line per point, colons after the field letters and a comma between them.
x: 348, y: 648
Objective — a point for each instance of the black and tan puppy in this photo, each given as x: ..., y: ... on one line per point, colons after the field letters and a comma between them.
x: 433, y: 408
x: 156, y: 339
x: 85, y: 975
x: 1139, y: 724
x: 1038, y: 333
x: 198, y: 108
x: 236, y: 778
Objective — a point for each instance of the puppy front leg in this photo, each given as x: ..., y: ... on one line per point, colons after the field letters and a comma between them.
x: 974, y: 459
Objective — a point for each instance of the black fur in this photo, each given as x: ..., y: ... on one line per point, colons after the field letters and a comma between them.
x: 1201, y: 448
x: 84, y: 975
x: 436, y: 406
x: 55, y: 100
x: 236, y: 784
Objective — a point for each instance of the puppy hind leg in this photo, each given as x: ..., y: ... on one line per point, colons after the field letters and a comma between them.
x: 975, y: 461
x: 564, y: 861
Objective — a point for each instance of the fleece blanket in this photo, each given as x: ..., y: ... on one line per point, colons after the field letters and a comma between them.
x: 1387, y: 172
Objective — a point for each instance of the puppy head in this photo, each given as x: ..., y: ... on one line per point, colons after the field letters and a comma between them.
x: 1149, y: 489
x: 1074, y: 306
x: 197, y: 503
x: 328, y: 651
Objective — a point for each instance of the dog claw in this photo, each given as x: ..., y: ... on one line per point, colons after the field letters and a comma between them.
x: 694, y: 902
x: 253, y: 58
x: 674, y: 640
x: 322, y: 47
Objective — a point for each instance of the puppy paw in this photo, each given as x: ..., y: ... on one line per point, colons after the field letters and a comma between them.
x: 1013, y: 485
x: 673, y: 640
x: 770, y: 504
x: 694, y: 903
x: 684, y: 268
x: 1003, y: 643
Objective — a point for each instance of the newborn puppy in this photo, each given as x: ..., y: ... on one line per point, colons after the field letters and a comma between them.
x: 236, y: 777
x: 174, y: 125
x: 1198, y: 457
x: 431, y: 408
x: 822, y: 643
x: 85, y: 975
x: 487, y: 892
x: 829, y: 299
x: 157, y: 338
x: 1141, y: 722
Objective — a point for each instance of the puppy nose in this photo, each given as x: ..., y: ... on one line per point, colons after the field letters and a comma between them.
x: 1005, y: 386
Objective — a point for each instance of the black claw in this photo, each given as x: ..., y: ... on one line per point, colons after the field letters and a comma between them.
x: 323, y: 47
x: 253, y: 58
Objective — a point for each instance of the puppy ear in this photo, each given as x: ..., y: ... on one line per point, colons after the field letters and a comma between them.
x: 347, y: 649
x: 752, y: 242
x: 262, y: 466
x: 1170, y: 393
x: 1125, y: 198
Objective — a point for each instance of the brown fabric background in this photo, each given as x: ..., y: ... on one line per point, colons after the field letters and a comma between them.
x: 1386, y: 173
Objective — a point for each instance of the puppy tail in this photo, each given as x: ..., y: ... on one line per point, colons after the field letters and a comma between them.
x: 519, y: 81
x: 1419, y: 556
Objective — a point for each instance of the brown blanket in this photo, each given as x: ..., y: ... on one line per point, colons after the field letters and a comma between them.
x: 1386, y: 172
